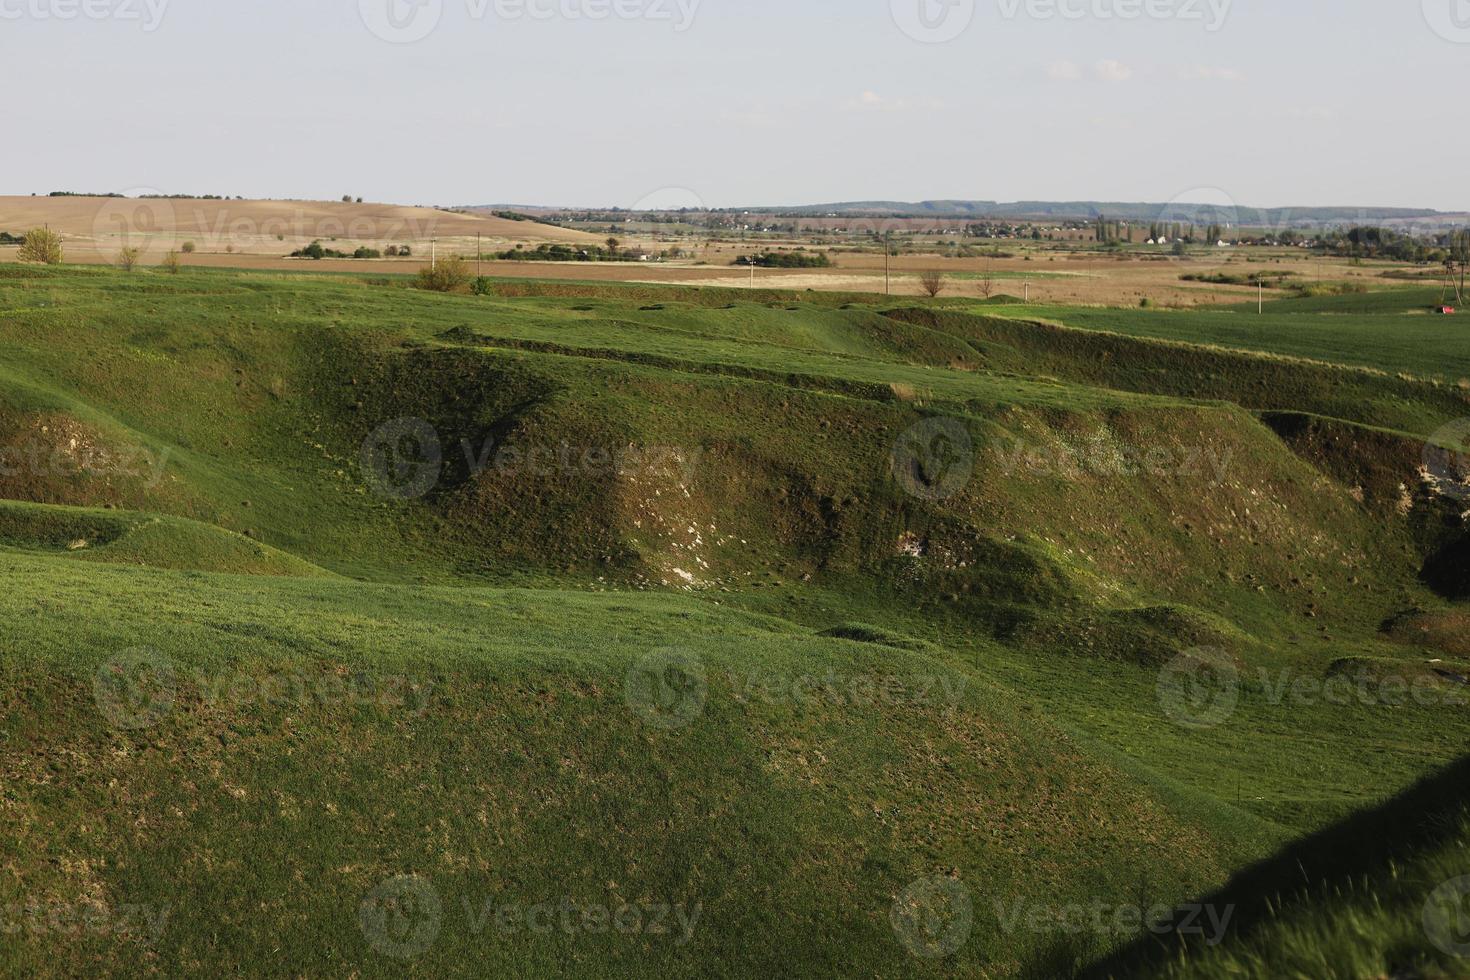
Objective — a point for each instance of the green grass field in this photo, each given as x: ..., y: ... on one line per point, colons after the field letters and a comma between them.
x: 1392, y: 330
x: 598, y: 630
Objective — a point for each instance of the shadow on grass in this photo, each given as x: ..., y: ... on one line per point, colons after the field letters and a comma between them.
x: 1420, y: 819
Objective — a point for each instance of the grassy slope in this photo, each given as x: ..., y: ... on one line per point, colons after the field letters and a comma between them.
x: 1055, y: 594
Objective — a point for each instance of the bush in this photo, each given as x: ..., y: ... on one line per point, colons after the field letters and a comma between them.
x: 127, y: 258
x: 482, y: 286
x: 189, y: 248
x: 447, y: 276
x: 171, y: 263
x: 41, y: 245
x: 363, y: 252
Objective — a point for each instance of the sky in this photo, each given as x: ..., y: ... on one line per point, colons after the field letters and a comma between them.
x: 729, y: 103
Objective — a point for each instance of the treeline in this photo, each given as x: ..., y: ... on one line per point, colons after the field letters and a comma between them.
x: 6, y: 238
x: 1271, y: 280
x: 1384, y: 243
x: 316, y: 250
x: 786, y: 260
x: 149, y: 197
x: 546, y: 252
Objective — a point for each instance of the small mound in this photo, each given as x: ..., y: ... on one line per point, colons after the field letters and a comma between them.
x: 1446, y: 631
x: 877, y: 635
x: 1150, y: 636
x: 129, y: 538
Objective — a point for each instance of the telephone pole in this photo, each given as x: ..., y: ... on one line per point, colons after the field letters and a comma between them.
x: 887, y: 278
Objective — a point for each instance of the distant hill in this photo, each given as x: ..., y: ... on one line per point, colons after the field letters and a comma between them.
x: 262, y: 223
x: 1136, y: 211
x: 1124, y: 211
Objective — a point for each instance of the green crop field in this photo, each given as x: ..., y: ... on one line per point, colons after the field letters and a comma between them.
x: 1393, y: 330
x: 623, y: 631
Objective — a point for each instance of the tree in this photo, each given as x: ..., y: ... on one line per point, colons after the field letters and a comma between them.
x: 346, y: 198
x: 612, y: 245
x: 41, y: 245
x: 127, y: 258
x: 932, y: 282
x: 171, y: 263
x: 447, y: 275
x: 987, y: 283
x: 189, y: 248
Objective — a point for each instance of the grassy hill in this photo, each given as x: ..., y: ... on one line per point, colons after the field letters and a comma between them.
x: 363, y: 630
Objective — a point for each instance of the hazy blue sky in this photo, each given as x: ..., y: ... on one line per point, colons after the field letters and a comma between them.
x: 1284, y: 102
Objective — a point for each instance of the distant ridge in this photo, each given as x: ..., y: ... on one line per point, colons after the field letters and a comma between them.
x: 1197, y: 212
x: 1123, y: 211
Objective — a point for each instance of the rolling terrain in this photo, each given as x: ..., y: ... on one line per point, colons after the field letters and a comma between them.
x: 617, y: 630
x: 96, y: 228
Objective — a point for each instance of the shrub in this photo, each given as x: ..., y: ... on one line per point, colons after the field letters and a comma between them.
x: 363, y: 252
x: 189, y: 248
x: 446, y: 276
x: 932, y: 283
x: 171, y: 263
x: 127, y: 258
x: 41, y: 245
x: 482, y: 286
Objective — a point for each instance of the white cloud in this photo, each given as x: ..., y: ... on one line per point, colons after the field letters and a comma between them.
x: 1064, y: 71
x: 1112, y: 71
x: 874, y: 101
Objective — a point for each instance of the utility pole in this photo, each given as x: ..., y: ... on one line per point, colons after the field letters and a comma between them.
x: 887, y: 278
x: 752, y: 273
x: 1260, y: 296
x: 433, y: 254
x: 1026, y: 294
x: 479, y: 258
